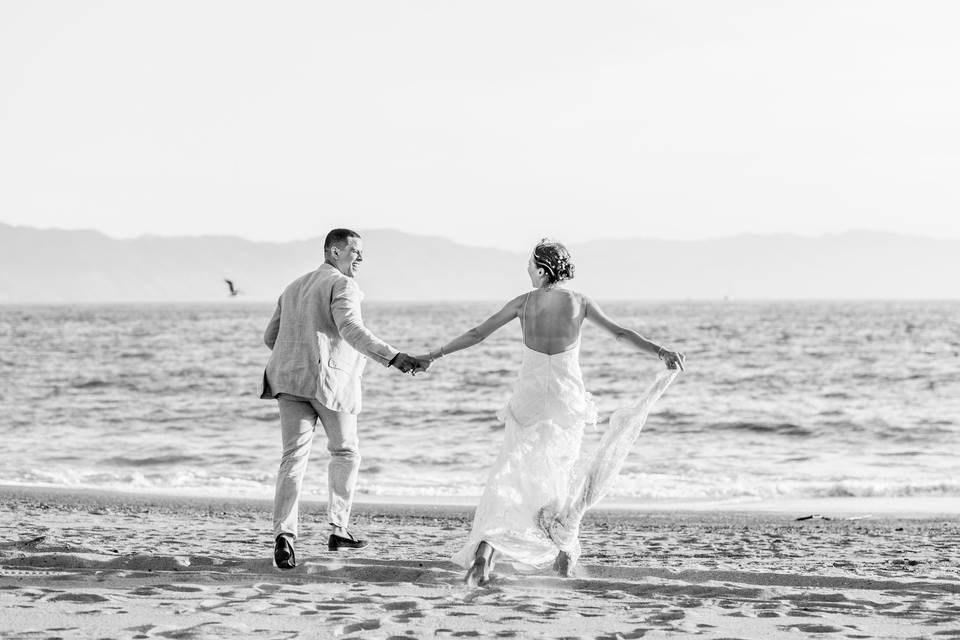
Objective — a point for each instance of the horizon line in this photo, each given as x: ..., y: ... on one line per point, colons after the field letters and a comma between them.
x: 425, y: 301
x: 771, y: 234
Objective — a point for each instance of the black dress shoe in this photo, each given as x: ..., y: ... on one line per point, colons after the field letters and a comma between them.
x: 283, y: 553
x: 339, y: 542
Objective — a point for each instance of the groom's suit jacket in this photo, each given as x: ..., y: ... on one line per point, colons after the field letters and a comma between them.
x: 319, y: 343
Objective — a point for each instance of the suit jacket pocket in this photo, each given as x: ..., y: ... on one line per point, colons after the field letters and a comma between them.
x: 352, y: 368
x: 338, y: 385
x: 344, y: 358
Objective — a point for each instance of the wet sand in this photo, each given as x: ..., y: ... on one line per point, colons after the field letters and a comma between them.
x: 78, y: 564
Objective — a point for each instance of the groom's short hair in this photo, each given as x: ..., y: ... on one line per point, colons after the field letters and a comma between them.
x: 338, y: 236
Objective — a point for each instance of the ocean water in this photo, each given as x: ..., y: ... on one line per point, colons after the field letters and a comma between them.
x: 791, y: 400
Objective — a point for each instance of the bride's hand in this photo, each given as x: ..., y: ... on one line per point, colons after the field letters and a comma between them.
x: 673, y: 359
x: 425, y: 360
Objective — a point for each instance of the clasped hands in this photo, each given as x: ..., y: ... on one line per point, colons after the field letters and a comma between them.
x: 407, y: 363
x: 673, y: 359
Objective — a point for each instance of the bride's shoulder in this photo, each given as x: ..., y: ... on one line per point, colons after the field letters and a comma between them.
x: 584, y: 301
x: 516, y: 303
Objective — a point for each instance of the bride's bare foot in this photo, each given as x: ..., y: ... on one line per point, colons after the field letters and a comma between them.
x: 563, y: 565
x: 478, y: 574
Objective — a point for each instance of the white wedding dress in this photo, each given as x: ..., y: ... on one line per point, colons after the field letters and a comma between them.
x: 540, y: 486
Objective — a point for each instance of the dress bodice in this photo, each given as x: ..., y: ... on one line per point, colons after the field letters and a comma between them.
x: 550, y: 387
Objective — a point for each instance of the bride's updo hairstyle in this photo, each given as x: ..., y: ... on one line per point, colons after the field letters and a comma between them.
x: 553, y: 257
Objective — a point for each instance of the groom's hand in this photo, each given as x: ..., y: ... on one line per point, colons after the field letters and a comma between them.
x: 423, y: 363
x: 405, y: 362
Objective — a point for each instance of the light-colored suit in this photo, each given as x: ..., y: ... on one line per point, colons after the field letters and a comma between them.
x: 319, y: 350
x: 320, y: 345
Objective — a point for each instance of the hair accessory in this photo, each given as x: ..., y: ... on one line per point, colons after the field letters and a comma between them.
x: 553, y: 258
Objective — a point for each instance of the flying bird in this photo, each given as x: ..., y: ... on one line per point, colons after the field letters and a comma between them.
x: 233, y: 290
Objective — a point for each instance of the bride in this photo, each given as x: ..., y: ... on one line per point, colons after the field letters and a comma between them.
x: 533, y: 501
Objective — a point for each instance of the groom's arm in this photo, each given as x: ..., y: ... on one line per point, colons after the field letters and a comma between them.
x: 346, y: 314
x: 273, y: 328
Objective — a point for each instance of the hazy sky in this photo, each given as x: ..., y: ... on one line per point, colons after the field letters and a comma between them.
x: 487, y: 122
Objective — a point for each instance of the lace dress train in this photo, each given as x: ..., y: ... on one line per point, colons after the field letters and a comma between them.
x: 539, y: 487
x: 593, y: 477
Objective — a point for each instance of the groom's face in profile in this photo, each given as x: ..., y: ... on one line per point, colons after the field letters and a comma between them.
x: 347, y: 256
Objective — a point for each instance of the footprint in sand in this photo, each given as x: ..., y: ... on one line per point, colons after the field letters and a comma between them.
x: 205, y: 630
x: 363, y: 625
x: 404, y: 618
x: 185, y: 588
x: 85, y: 598
x: 810, y: 628
x: 142, y: 630
x: 639, y: 632
x: 267, y: 587
x: 690, y: 603
x: 668, y: 616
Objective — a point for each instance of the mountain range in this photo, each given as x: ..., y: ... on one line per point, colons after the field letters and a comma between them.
x: 60, y: 266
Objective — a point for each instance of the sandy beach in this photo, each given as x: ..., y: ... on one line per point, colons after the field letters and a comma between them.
x: 78, y: 564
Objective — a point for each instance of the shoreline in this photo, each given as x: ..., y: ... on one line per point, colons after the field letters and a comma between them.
x: 921, y: 507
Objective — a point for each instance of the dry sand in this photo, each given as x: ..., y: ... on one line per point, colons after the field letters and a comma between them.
x: 84, y: 564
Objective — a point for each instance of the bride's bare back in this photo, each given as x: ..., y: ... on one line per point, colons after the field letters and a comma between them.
x: 551, y: 319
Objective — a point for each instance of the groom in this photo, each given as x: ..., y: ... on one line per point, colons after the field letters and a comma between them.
x: 319, y: 348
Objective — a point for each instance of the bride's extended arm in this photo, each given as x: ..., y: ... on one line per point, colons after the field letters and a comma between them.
x: 480, y: 332
x: 596, y: 315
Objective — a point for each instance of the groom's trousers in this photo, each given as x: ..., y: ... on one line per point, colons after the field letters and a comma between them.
x: 298, y: 422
